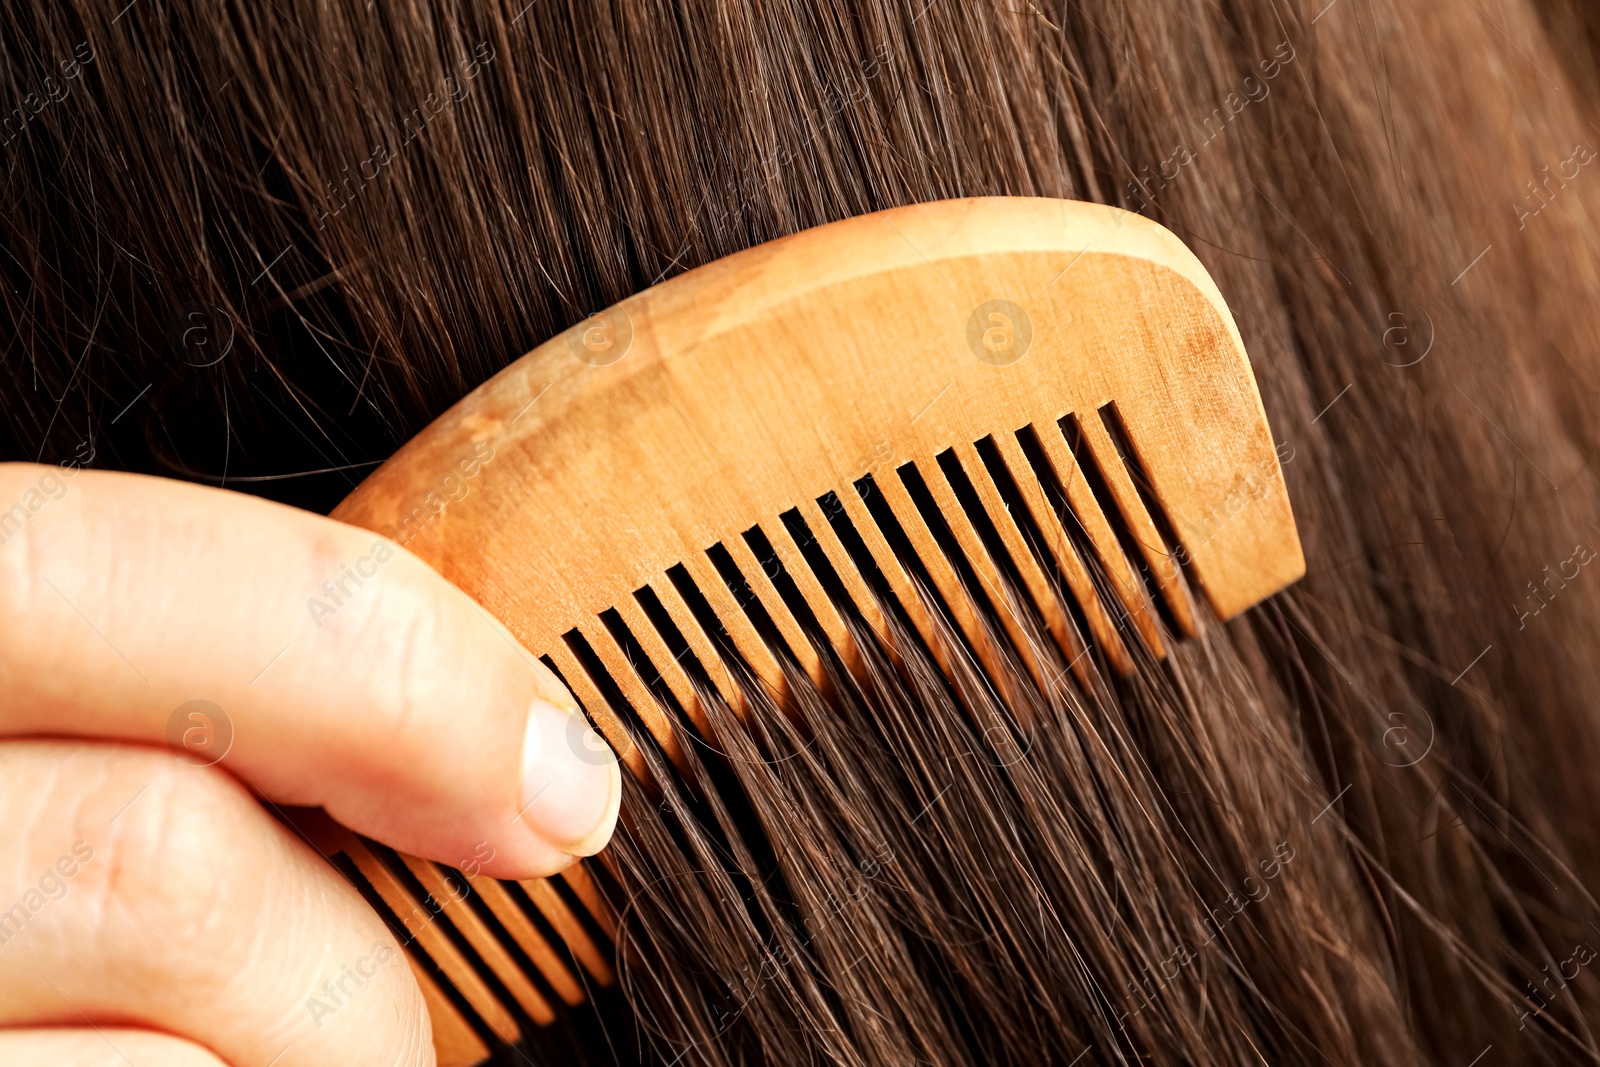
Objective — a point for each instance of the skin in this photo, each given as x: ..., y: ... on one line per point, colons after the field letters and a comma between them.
x: 200, y: 924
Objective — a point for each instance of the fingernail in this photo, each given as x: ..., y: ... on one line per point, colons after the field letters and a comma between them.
x: 571, y: 782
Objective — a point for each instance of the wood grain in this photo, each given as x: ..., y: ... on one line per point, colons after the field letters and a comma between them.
x: 758, y: 382
x: 600, y: 469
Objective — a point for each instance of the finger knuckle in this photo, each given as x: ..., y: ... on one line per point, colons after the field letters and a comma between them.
x: 168, y: 858
x: 400, y: 635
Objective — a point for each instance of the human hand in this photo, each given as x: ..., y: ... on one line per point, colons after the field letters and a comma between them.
x: 151, y: 910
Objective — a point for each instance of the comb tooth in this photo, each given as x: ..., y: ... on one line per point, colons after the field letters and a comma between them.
x: 1114, y: 469
x: 454, y: 1041
x: 899, y: 581
x: 939, y: 570
x: 487, y: 946
x: 588, y: 695
x: 670, y: 667
x: 701, y: 645
x: 1066, y: 557
x: 565, y: 923
x: 1055, y: 620
x: 986, y: 567
x: 582, y: 885
x: 839, y: 558
x: 529, y: 939
x: 1093, y: 522
x: 631, y: 680
x: 822, y: 607
x: 741, y: 631
x: 434, y: 943
x: 755, y: 575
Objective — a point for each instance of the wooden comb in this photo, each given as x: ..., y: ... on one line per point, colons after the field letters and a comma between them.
x: 954, y: 412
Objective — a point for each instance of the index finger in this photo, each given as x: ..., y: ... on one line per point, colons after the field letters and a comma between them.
x: 321, y: 663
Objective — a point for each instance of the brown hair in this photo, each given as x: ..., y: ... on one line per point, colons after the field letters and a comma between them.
x: 1348, y: 828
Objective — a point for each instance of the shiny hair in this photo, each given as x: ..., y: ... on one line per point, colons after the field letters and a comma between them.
x: 261, y: 245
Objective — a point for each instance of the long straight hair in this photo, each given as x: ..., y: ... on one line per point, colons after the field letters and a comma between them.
x: 261, y: 245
